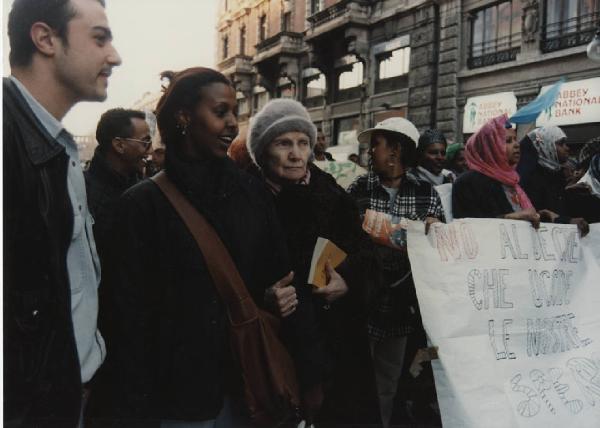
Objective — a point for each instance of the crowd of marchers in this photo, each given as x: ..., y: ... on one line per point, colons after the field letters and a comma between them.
x: 115, y: 314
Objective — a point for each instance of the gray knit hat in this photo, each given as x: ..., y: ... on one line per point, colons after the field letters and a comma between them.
x: 278, y: 117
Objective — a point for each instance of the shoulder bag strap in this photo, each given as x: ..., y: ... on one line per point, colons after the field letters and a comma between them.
x: 223, y: 271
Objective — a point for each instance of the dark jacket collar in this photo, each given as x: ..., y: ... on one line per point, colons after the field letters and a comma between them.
x: 101, y: 169
x: 204, y: 181
x: 39, y: 144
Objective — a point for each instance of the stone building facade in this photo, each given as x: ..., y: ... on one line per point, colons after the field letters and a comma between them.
x: 353, y: 63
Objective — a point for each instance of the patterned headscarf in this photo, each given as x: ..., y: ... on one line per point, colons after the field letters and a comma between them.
x: 485, y: 152
x: 592, y: 176
x: 544, y: 140
x: 588, y: 151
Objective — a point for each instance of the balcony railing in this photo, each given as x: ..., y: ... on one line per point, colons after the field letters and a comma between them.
x: 391, y: 83
x: 337, y: 10
x: 239, y: 63
x: 314, y: 101
x: 492, y: 52
x: 348, y: 94
x: 572, y: 32
x: 286, y: 38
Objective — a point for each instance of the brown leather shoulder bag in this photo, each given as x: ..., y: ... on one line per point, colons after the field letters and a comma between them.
x: 270, y: 385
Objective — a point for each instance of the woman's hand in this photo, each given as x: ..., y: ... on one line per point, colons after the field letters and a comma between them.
x: 281, y: 297
x: 582, y: 225
x: 548, y: 216
x: 335, y: 288
x: 429, y: 221
x: 529, y: 214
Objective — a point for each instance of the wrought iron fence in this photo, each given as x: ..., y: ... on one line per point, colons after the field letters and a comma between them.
x: 571, y: 32
x: 490, y: 52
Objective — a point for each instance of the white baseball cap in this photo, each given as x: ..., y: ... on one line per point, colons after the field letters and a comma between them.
x: 398, y: 125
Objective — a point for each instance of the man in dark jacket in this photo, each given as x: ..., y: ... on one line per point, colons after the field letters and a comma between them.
x: 61, y: 53
x: 124, y: 143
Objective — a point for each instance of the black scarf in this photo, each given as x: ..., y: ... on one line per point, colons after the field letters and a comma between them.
x: 202, y: 181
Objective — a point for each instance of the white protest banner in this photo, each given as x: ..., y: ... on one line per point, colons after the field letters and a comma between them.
x: 445, y: 192
x: 577, y: 102
x: 516, y: 316
x: 478, y: 110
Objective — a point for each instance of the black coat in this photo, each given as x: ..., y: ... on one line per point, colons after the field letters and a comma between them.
x: 170, y: 350
x: 104, y: 186
x: 42, y: 379
x: 546, y: 190
x: 477, y: 195
x: 583, y: 203
x: 306, y: 212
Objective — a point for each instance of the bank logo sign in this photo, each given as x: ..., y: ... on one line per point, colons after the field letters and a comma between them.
x: 478, y: 110
x: 577, y: 102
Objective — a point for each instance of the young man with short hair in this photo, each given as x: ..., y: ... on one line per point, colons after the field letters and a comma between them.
x: 61, y: 53
x: 124, y: 143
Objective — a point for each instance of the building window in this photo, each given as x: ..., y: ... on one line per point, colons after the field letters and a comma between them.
x: 352, y: 77
x: 495, y: 34
x: 346, y: 131
x: 243, y: 40
x: 286, y: 21
x: 394, y: 63
x: 315, y: 6
x: 225, y: 49
x: 243, y: 105
x: 285, y: 88
x: 349, y: 82
x: 315, y: 88
x: 393, y: 70
x: 262, y: 28
x: 569, y: 23
x: 261, y: 97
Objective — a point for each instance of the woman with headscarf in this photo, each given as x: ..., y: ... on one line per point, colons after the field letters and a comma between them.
x: 544, y: 150
x: 431, y: 157
x: 310, y: 204
x: 491, y: 188
x: 584, y: 200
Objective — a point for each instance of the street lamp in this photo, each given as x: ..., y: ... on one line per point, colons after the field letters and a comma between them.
x: 593, y: 49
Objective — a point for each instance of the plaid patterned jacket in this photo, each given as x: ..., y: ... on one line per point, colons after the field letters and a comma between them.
x: 393, y: 310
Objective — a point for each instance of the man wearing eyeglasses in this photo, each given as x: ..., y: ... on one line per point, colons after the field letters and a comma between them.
x: 124, y: 143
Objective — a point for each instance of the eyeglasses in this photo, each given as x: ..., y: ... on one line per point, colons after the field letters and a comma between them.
x: 145, y: 143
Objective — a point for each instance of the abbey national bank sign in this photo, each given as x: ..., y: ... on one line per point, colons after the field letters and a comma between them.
x: 578, y: 102
x: 478, y: 110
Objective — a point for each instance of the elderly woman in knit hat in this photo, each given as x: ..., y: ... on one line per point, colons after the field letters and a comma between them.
x: 310, y: 204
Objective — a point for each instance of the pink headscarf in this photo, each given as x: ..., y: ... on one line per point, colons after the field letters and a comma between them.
x: 485, y: 152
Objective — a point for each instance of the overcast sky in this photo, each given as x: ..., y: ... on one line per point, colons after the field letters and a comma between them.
x: 151, y: 36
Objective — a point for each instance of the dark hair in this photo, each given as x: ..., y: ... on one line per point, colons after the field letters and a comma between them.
x: 24, y: 13
x: 114, y: 123
x: 183, y: 93
x: 431, y: 136
x: 407, y: 146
